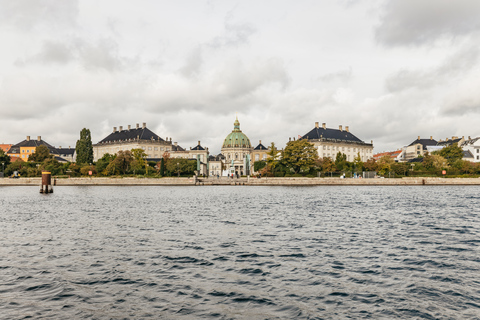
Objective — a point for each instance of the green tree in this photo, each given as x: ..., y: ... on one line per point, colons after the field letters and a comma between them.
x: 4, y: 158
x: 181, y: 166
x: 123, y: 160
x: 325, y: 164
x: 162, y: 167
x: 300, y: 155
x: 272, y: 159
x: 358, y: 163
x: 103, y: 163
x: 451, y: 153
x: 84, y: 148
x: 41, y: 153
x: 341, y: 161
x: 384, y: 165
x: 52, y: 166
x: 139, y: 161
x: 259, y: 165
x: 370, y: 165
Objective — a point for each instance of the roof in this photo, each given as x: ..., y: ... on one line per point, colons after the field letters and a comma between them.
x: 467, y: 154
x: 177, y: 148
x: 424, y: 142
x: 448, y: 142
x: 260, y: 147
x: 418, y: 159
x: 318, y: 133
x: 5, y: 147
x: 29, y: 143
x: 470, y: 142
x: 392, y: 154
x: 131, y: 134
x: 65, y: 151
x: 198, y: 147
x: 236, y: 139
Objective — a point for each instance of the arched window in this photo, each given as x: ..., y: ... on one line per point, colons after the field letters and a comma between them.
x: 236, y: 156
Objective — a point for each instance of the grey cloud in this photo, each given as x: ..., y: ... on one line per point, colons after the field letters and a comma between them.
x: 193, y: 63
x: 454, y: 66
x: 418, y: 22
x: 26, y: 14
x: 102, y: 55
x: 235, y: 34
x: 341, y: 76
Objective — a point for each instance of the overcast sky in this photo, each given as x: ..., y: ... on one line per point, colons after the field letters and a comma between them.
x: 391, y: 70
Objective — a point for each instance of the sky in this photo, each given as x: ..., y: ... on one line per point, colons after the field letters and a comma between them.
x: 391, y: 70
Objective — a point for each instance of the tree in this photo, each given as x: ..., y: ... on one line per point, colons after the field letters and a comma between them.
x: 370, y: 165
x: 139, y: 157
x: 123, y: 160
x: 272, y: 159
x: 259, y: 165
x: 103, y: 163
x: 384, y: 165
x: 300, y: 155
x: 84, y: 148
x: 41, y: 153
x: 358, y: 163
x: 451, y: 153
x: 340, y: 161
x: 4, y: 158
x: 181, y: 166
x: 325, y: 164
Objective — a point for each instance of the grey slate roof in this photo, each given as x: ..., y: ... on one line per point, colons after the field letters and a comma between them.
x: 198, y: 147
x: 30, y: 143
x: 448, y: 143
x: 65, y: 151
x: 260, y: 147
x: 425, y: 142
x: 132, y: 134
x: 331, y: 134
x: 467, y: 154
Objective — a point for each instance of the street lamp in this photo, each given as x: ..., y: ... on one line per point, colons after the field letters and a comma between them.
x: 3, y: 169
x: 178, y: 169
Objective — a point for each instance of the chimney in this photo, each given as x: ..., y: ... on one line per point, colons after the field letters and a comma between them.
x: 340, y: 127
x: 199, y: 143
x: 144, y: 125
x: 59, y: 147
x: 170, y: 139
x: 371, y: 141
x: 28, y: 138
x: 469, y: 138
x: 114, y: 129
x: 293, y: 138
x: 316, y: 124
x: 120, y: 128
x: 346, y: 129
x: 175, y: 144
x: 431, y: 138
x: 190, y: 148
x: 260, y: 141
x: 39, y: 138
x: 138, y: 126
x: 418, y: 138
x: 129, y: 127
x: 289, y: 138
x: 324, y: 125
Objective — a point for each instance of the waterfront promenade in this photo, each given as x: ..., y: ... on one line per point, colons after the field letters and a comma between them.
x: 192, y: 181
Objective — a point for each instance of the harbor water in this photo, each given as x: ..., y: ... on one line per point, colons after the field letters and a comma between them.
x: 233, y: 252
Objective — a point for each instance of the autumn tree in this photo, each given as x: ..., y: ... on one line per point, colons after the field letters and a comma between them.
x: 300, y: 155
x: 4, y: 158
x: 451, y: 153
x: 384, y: 165
x: 41, y: 153
x: 84, y: 148
x: 139, y: 159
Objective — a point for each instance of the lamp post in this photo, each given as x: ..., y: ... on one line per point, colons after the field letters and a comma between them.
x: 178, y: 169
x: 3, y: 169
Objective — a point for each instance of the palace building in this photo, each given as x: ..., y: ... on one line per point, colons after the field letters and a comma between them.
x: 331, y: 141
x: 237, y: 151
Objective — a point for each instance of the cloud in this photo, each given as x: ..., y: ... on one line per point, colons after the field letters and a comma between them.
x: 193, y: 63
x: 234, y: 35
x: 26, y: 15
x: 420, y: 22
x: 453, y: 67
x: 342, y: 76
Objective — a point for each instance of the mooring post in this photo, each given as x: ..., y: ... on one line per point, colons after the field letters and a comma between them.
x: 46, y: 182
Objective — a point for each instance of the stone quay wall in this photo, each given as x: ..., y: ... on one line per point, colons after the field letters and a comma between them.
x: 192, y: 181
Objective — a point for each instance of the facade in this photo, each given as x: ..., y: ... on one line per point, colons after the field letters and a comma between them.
x: 329, y: 142
x: 473, y: 147
x: 216, y: 165
x: 132, y: 138
x: 260, y: 152
x: 153, y: 146
x: 417, y: 148
x: 237, y: 151
x: 25, y: 148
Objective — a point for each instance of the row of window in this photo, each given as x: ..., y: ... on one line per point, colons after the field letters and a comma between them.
x: 336, y: 148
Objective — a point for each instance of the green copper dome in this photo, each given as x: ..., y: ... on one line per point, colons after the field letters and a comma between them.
x: 236, y: 139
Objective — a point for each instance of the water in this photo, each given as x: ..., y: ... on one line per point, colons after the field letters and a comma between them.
x: 240, y: 253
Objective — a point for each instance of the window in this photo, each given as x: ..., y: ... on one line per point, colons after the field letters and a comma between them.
x: 478, y: 150
x: 23, y: 151
x: 257, y: 157
x: 149, y: 148
x: 264, y: 157
x: 478, y: 157
x: 323, y: 147
x: 156, y: 148
x: 343, y: 148
x: 161, y: 148
x: 354, y: 149
x: 348, y: 149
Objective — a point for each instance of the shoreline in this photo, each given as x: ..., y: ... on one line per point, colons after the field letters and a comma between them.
x: 247, y: 181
